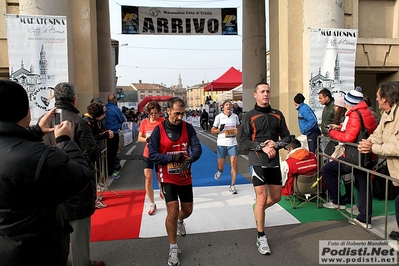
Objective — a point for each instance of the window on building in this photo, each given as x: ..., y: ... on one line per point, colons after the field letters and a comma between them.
x: 142, y: 97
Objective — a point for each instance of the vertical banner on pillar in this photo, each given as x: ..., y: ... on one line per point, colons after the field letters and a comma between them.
x: 332, y: 63
x: 38, y: 57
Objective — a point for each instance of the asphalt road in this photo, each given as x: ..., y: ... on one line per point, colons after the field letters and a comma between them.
x: 291, y: 244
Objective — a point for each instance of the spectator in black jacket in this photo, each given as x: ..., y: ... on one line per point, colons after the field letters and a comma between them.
x: 34, y: 180
x: 94, y: 117
x: 79, y: 208
x: 204, y: 120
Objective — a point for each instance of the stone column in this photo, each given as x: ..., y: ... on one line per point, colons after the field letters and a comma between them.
x: 85, y: 52
x: 253, y: 49
x: 106, y: 67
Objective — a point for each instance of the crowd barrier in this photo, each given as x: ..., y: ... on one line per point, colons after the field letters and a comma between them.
x: 195, y: 121
x: 323, y: 158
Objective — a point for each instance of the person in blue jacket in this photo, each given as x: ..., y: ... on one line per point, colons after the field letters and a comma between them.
x: 113, y: 121
x: 307, y: 121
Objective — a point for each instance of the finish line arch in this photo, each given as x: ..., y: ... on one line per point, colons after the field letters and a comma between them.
x: 147, y: 99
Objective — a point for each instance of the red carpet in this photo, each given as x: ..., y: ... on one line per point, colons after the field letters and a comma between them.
x: 121, y: 219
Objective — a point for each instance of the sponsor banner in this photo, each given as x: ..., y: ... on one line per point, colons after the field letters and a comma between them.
x: 179, y: 21
x: 332, y: 63
x: 372, y: 252
x: 38, y: 57
x: 127, y: 133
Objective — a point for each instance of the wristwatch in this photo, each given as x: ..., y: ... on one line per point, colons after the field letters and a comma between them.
x: 260, y: 146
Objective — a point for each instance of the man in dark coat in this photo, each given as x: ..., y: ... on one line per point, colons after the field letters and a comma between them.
x: 204, y: 120
x: 34, y: 180
x: 79, y: 208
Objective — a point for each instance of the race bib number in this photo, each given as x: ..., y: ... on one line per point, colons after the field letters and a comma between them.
x: 230, y: 133
x: 148, y: 134
x: 174, y: 167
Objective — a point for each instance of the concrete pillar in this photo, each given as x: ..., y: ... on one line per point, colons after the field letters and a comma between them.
x: 106, y: 69
x: 253, y: 49
x: 85, y: 52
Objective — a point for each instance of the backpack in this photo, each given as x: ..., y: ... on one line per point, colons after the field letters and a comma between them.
x: 379, y: 184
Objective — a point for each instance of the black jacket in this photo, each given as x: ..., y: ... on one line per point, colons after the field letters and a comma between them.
x: 81, y: 205
x: 34, y: 180
x: 261, y: 124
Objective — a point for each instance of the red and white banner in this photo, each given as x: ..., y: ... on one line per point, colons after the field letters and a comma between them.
x: 38, y: 57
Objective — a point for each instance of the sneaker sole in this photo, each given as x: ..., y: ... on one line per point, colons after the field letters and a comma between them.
x: 341, y: 207
x: 261, y: 252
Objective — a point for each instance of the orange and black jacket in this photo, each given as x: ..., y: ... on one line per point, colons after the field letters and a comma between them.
x: 261, y: 124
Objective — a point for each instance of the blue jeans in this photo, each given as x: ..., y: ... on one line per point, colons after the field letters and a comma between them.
x: 312, y: 140
x: 331, y: 178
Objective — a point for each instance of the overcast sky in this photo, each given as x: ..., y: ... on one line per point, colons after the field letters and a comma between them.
x: 160, y: 59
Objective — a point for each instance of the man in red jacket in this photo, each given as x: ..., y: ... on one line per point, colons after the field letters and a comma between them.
x: 299, y: 161
x: 348, y: 132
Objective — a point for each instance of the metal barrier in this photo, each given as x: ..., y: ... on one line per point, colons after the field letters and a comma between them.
x: 321, y: 158
x: 101, y: 172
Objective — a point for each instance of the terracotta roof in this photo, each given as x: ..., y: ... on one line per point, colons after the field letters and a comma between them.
x: 148, y: 86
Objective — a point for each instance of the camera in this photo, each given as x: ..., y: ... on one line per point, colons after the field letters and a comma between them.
x: 57, y: 117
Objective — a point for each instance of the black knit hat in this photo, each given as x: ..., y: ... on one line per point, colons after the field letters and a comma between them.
x: 299, y: 98
x: 14, y: 103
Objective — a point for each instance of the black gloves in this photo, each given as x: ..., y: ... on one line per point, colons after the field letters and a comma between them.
x: 148, y: 140
x: 185, y: 169
x: 178, y: 157
x: 221, y: 127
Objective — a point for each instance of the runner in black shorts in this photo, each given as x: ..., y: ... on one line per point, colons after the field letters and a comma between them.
x: 263, y: 132
x: 174, y: 146
x: 265, y: 176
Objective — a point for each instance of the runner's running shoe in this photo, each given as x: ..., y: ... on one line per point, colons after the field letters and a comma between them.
x: 263, y: 246
x: 174, y: 257
x: 153, y: 209
x: 181, y: 229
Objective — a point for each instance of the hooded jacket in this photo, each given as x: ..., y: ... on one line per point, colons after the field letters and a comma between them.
x: 299, y: 161
x: 352, y: 124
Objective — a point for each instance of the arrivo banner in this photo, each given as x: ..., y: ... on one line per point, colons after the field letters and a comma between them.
x: 179, y: 21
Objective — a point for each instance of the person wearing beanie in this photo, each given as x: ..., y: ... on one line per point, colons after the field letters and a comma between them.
x: 348, y: 131
x: 34, y: 180
x: 79, y: 208
x: 354, y: 97
x: 307, y: 121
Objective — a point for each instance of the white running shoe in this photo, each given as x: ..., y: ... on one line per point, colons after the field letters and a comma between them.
x: 233, y: 189
x: 217, y: 175
x: 181, y: 229
x: 174, y: 257
x: 263, y: 246
x: 331, y: 205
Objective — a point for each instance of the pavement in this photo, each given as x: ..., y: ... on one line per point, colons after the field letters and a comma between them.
x: 291, y: 243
